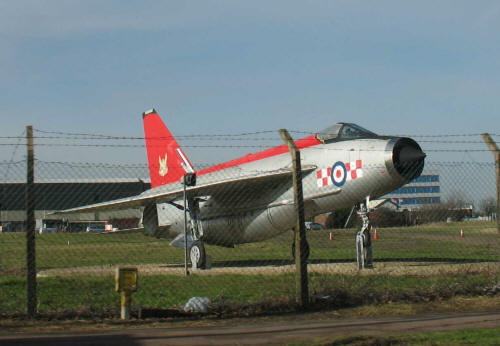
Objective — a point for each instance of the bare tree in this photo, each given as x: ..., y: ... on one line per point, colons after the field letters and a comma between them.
x: 457, y: 199
x: 458, y: 205
x: 487, y: 206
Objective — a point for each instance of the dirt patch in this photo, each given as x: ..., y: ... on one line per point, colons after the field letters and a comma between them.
x: 382, y: 268
x: 488, y: 231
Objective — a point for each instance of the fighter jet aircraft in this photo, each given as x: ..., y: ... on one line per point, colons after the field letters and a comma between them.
x: 250, y: 199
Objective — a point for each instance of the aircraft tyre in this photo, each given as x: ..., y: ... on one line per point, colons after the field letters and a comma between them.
x: 307, y: 250
x: 197, y: 255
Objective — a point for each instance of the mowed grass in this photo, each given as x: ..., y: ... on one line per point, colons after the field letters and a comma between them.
x: 232, y: 292
x: 95, y: 295
x: 434, y: 242
x: 458, y: 337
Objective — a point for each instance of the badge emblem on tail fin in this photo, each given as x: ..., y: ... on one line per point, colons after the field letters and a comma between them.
x: 163, y: 166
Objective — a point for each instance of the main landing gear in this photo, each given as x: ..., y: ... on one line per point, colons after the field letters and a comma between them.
x: 363, y: 238
x: 197, y: 253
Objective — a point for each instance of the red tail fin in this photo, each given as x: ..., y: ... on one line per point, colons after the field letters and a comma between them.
x: 167, y: 162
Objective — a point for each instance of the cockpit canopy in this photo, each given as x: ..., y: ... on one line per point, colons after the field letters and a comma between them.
x: 344, y: 131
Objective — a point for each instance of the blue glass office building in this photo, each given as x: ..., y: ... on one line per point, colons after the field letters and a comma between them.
x: 424, y: 190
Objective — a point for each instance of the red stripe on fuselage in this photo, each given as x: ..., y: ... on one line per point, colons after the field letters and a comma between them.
x: 301, y: 144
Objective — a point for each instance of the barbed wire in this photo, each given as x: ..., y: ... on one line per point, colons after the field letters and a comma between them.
x: 93, y: 136
x: 457, y: 150
x: 452, y: 142
x: 204, y: 138
x: 459, y: 163
x: 94, y: 164
x: 219, y: 138
x: 132, y: 145
x: 16, y: 146
x: 5, y: 163
x: 145, y: 165
x: 450, y: 135
x: 257, y: 132
x: 218, y: 146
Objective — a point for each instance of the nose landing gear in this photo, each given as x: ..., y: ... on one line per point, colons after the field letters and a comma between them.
x: 363, y: 238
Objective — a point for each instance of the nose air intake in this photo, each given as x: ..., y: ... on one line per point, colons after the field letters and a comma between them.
x: 408, y: 158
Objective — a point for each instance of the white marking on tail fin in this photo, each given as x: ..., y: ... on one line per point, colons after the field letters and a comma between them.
x: 163, y: 166
x: 185, y: 163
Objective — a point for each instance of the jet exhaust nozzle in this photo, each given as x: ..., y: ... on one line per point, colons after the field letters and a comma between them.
x: 408, y: 158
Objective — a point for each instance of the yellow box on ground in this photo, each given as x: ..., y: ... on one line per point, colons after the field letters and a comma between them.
x: 126, y: 279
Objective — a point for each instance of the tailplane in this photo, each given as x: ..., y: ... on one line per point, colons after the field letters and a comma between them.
x: 167, y: 162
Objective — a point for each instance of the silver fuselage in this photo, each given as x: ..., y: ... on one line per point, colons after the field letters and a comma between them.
x: 264, y: 211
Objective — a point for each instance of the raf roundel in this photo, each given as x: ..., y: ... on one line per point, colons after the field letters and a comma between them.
x: 339, y: 174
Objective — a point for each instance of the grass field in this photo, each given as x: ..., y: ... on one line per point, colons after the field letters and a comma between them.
x: 436, y: 241
x: 244, y: 293
x: 460, y: 337
x: 90, y: 294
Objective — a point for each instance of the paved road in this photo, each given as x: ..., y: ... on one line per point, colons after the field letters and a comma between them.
x: 262, y: 333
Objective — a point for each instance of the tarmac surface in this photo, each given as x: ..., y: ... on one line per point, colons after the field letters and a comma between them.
x: 268, y: 333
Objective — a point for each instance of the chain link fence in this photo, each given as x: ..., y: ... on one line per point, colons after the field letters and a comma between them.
x: 432, y: 238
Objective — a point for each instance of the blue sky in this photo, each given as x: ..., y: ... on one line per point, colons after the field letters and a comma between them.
x: 394, y: 67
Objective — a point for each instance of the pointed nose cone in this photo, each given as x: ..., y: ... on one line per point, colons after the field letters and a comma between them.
x: 408, y: 158
x: 410, y: 154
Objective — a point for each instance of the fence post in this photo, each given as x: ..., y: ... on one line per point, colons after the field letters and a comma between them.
x: 301, y: 279
x: 496, y: 153
x: 30, y: 225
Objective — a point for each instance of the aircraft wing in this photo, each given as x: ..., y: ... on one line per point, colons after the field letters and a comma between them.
x: 206, y: 186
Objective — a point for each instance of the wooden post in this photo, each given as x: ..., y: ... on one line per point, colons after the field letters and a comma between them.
x: 496, y: 153
x: 301, y: 281
x: 30, y: 225
x: 186, y: 271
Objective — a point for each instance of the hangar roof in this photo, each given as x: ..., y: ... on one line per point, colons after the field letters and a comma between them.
x: 58, y: 195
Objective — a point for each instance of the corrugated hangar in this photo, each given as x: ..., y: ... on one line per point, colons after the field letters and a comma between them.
x: 56, y: 195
